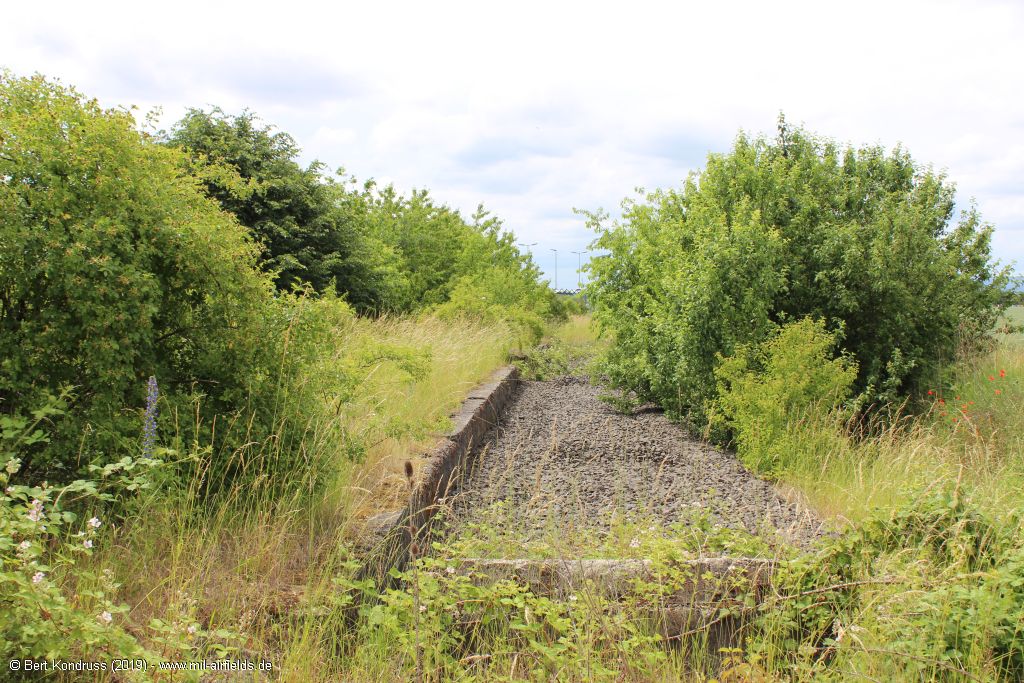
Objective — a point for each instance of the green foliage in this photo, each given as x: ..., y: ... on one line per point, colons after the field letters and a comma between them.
x: 459, y: 268
x: 779, y: 230
x: 309, y: 231
x: 465, y: 626
x: 43, y: 541
x: 384, y: 252
x: 767, y: 392
x: 546, y: 361
x: 114, y: 267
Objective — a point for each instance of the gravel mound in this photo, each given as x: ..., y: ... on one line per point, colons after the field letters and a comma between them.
x: 561, y: 453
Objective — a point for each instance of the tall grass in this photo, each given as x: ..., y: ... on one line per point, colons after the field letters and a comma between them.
x: 267, y: 575
x: 247, y: 563
x: 398, y: 419
x: 971, y: 431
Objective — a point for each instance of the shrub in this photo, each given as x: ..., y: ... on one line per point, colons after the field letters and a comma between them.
x: 767, y: 393
x: 114, y: 268
x: 931, y: 590
x: 42, y: 541
x: 777, y: 230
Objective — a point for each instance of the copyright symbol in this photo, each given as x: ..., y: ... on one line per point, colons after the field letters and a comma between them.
x: 15, y: 665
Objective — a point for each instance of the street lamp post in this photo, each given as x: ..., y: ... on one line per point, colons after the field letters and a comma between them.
x: 556, y: 269
x: 531, y: 244
x: 579, y: 267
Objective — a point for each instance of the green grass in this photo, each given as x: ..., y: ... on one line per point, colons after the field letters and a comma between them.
x: 272, y: 574
x: 972, y: 432
x: 250, y: 564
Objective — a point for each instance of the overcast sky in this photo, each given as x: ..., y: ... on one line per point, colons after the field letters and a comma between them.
x: 534, y: 108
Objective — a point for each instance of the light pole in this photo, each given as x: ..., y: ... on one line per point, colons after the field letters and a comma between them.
x: 556, y: 269
x: 579, y: 267
x: 531, y: 244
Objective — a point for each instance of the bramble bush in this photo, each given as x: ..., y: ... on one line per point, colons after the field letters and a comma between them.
x: 42, y: 541
x: 778, y: 230
x: 55, y: 604
x: 934, y: 586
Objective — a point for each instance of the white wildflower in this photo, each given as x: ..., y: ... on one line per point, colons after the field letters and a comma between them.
x: 24, y: 545
x: 35, y: 512
x: 572, y: 598
x: 13, y: 465
x: 423, y: 608
x: 450, y: 570
x: 94, y: 522
x: 635, y: 543
x: 38, y: 577
x: 192, y: 630
x: 106, y: 616
x: 87, y: 543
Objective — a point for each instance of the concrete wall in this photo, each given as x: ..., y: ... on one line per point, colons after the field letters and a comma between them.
x: 439, y: 473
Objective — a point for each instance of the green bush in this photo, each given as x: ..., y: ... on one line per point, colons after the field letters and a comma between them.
x: 931, y: 590
x: 764, y: 394
x: 778, y: 230
x: 113, y: 268
x: 42, y: 542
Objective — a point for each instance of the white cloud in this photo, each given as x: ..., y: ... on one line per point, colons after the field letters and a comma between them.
x: 536, y: 107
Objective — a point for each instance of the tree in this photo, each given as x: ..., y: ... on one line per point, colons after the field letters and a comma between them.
x: 778, y: 230
x: 114, y: 267
x: 310, y: 229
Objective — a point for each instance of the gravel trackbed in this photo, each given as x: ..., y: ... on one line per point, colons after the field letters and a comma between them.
x: 562, y: 453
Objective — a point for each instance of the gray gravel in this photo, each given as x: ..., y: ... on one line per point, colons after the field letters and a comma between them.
x: 561, y: 453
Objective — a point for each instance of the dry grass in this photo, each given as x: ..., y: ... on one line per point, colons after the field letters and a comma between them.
x: 248, y: 563
x: 402, y: 420
x: 260, y: 567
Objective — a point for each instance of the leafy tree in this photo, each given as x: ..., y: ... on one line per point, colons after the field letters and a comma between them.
x: 310, y: 229
x: 778, y: 230
x: 114, y: 267
x: 383, y: 251
x: 457, y: 266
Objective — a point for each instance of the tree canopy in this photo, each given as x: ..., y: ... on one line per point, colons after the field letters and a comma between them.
x: 781, y: 229
x: 114, y: 266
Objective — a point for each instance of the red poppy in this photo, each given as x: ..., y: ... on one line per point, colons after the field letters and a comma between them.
x: 999, y: 391
x: 1002, y: 373
x: 990, y: 378
x: 942, y: 401
x: 931, y: 393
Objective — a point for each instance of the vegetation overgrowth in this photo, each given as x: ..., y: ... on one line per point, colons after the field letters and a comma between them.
x: 778, y: 230
x: 217, y: 363
x: 184, y: 355
x: 921, y: 581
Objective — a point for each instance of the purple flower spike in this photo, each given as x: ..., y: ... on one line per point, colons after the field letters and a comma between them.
x: 149, y: 421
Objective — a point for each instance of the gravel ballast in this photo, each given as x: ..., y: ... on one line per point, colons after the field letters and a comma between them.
x: 560, y: 453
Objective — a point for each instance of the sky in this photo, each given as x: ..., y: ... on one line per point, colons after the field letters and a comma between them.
x: 534, y: 108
